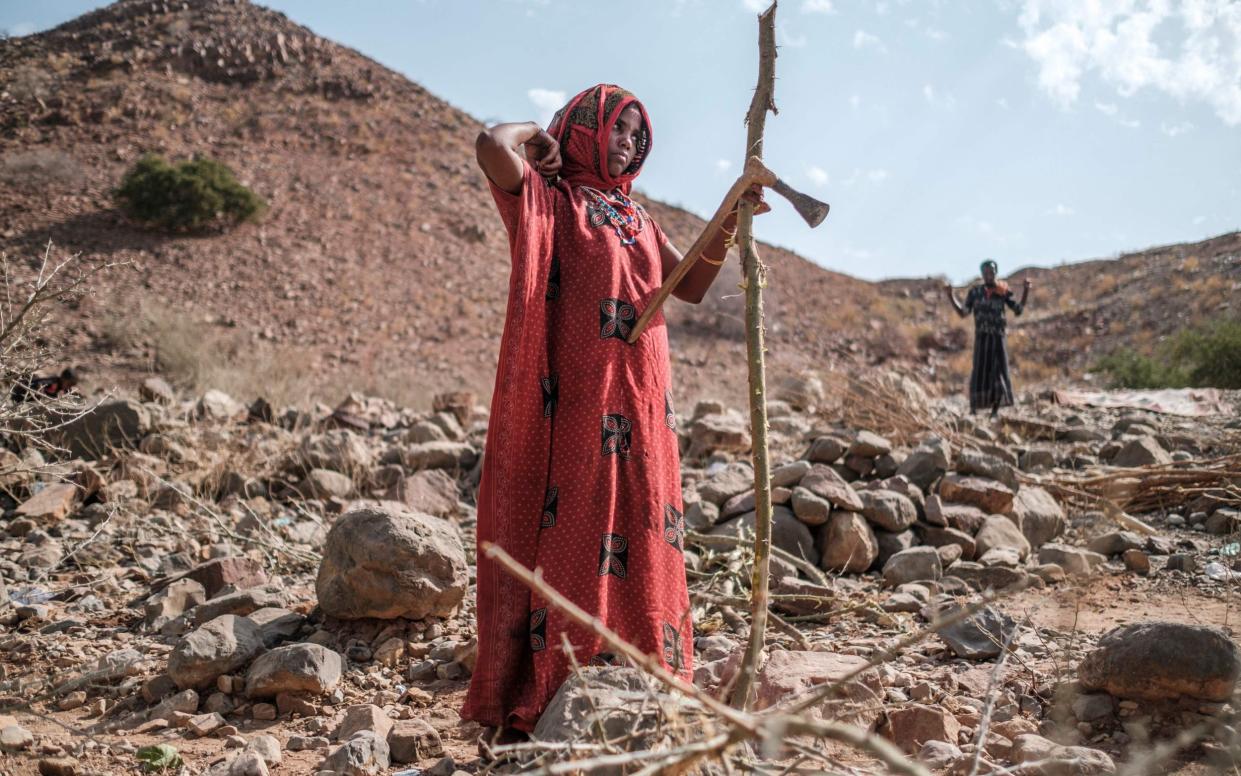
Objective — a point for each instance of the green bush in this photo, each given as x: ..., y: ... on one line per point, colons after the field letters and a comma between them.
x: 1204, y: 357
x: 189, y: 196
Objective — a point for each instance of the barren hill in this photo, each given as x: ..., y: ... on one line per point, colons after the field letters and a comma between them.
x: 381, y: 265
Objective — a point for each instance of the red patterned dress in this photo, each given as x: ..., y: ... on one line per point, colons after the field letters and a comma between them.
x: 581, y: 475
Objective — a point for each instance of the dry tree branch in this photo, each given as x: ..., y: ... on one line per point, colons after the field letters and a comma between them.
x: 765, y: 728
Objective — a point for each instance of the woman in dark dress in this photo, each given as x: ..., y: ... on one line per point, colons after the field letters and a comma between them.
x: 990, y: 384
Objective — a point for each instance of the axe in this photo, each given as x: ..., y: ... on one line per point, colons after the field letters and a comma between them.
x: 809, y: 208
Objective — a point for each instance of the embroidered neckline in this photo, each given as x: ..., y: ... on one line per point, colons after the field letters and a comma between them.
x: 627, y: 217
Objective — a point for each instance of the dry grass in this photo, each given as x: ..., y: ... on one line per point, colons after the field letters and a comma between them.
x: 37, y: 169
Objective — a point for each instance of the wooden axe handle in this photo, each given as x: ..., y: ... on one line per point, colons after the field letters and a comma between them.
x: 755, y: 172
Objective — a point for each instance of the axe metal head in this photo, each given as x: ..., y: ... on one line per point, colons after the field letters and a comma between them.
x: 810, y: 209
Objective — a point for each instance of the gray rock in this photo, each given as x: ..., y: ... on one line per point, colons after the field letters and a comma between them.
x: 1001, y: 532
x: 113, y: 424
x: 1223, y: 521
x: 701, y: 515
x: 219, y: 646
x: 892, y: 543
x: 936, y: 536
x: 888, y: 510
x: 869, y: 445
x: 912, y: 565
x: 980, y: 636
x: 1158, y: 661
x: 1073, y: 560
x: 788, y: 475
x: 338, y: 450
x: 1116, y: 542
x: 1038, y: 459
x: 1039, y: 515
x: 962, y: 517
x: 809, y: 508
x: 826, y: 449
x: 988, y: 577
x: 826, y: 483
x: 1091, y: 707
x: 385, y: 562
x: 613, y: 704
x: 297, y: 668
x: 927, y: 463
x: 726, y: 432
x: 364, y: 754
x: 1143, y: 451
x: 972, y: 461
x: 412, y: 740
x: 733, y: 479
x: 439, y: 455
x: 992, y: 497
x: 787, y: 532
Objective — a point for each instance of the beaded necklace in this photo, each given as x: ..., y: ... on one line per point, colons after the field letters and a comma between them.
x: 626, y: 216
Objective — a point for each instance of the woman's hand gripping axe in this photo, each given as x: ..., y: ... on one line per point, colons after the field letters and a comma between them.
x: 809, y: 208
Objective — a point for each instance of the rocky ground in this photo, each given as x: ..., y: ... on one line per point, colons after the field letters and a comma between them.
x: 255, y: 589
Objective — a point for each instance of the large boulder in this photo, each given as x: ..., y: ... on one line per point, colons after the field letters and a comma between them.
x: 791, y: 675
x: 787, y: 532
x: 994, y: 498
x: 824, y: 482
x: 868, y: 444
x: 888, y: 510
x: 847, y: 544
x: 220, y: 646
x: 120, y: 423
x: 365, y: 754
x: 1157, y: 661
x: 1040, y: 516
x: 297, y: 668
x: 1042, y: 757
x: 383, y: 561
x: 972, y: 461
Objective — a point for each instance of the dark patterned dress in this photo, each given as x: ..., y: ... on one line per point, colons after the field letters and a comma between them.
x: 990, y: 383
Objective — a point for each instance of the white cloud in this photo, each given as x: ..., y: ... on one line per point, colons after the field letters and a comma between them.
x: 928, y: 92
x: 855, y: 101
x: 1106, y: 108
x: 1003, y: 103
x: 863, y: 39
x: 877, y: 176
x: 817, y: 6
x: 1199, y: 220
x: 881, y: 8
x: 817, y: 175
x: 1172, y: 130
x: 723, y: 165
x: 755, y: 6
x: 548, y: 101
x: 1188, y: 50
x: 1130, y: 123
x: 935, y: 34
x: 1060, y: 210
x: 21, y: 29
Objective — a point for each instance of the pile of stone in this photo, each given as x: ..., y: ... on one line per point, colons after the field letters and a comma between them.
x: 853, y: 503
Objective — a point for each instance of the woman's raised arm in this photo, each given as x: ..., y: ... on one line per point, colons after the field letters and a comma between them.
x: 499, y: 151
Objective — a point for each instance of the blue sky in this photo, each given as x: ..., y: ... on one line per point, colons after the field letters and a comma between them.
x: 1031, y: 131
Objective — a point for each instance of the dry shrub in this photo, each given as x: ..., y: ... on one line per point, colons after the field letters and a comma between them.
x: 887, y: 403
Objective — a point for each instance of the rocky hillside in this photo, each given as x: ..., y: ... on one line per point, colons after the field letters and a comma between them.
x: 381, y: 265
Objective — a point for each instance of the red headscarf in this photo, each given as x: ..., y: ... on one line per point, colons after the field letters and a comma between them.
x: 583, y: 128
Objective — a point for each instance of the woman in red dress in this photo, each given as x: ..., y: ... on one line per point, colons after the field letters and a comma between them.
x: 581, y: 474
